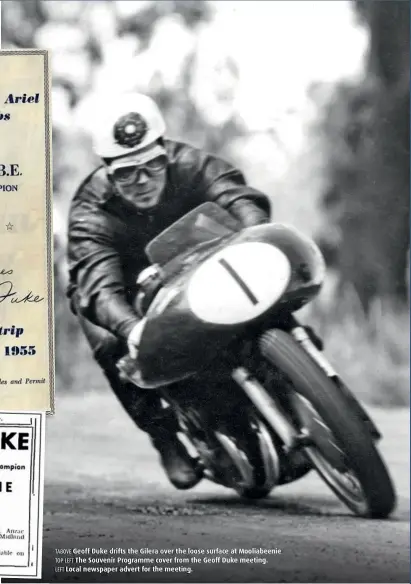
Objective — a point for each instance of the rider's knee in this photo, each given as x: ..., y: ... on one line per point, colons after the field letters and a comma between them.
x: 108, y: 350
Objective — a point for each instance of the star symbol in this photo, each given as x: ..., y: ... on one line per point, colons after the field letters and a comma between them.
x: 9, y: 226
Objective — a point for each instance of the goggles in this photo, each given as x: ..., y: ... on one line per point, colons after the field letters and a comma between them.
x: 129, y: 172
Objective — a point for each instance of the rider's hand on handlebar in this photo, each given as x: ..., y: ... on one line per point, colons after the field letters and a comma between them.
x: 133, y: 340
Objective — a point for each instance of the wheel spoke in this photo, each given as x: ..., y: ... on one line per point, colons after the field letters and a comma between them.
x: 341, y: 479
x: 342, y: 452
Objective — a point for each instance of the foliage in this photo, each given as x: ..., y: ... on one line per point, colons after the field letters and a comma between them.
x: 366, y: 130
x: 363, y: 136
x: 369, y: 350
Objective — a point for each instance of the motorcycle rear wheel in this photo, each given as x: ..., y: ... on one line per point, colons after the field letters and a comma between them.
x: 351, y: 437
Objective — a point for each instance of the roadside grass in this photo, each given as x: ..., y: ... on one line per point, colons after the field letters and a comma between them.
x: 370, y: 352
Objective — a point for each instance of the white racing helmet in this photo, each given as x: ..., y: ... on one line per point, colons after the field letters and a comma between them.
x: 130, y: 123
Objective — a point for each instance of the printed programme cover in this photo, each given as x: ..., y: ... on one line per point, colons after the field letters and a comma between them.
x: 26, y: 290
x: 26, y: 310
x: 218, y: 240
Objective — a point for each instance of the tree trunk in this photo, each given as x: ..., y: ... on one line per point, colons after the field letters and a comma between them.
x: 374, y: 220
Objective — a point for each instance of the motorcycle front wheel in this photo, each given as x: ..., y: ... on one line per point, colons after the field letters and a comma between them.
x: 340, y: 447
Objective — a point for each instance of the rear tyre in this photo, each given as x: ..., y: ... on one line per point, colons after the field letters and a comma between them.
x: 350, y: 436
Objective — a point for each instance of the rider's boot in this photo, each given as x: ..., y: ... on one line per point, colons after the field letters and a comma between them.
x: 144, y: 407
x: 182, y: 470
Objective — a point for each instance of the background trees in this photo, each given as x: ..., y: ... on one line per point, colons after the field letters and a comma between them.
x: 326, y: 138
x: 367, y: 126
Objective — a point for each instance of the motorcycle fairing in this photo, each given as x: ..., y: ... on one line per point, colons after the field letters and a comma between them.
x: 204, y: 225
x: 306, y: 260
x: 239, y: 283
x: 243, y: 278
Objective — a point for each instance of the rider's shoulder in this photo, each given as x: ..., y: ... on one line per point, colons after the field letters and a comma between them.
x: 184, y: 155
x: 94, y: 188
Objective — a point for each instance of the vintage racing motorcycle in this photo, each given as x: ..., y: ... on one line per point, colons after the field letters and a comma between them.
x: 255, y: 398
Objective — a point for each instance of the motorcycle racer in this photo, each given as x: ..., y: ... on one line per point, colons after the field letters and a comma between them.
x: 144, y: 183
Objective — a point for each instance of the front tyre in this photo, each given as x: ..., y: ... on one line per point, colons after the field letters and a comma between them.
x: 342, y: 452
x: 255, y: 493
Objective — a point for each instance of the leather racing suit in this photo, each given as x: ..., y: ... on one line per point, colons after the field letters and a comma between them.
x: 106, y: 241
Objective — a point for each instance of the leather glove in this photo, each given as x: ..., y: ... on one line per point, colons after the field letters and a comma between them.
x: 248, y: 213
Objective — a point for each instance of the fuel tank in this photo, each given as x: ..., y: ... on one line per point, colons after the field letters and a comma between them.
x: 259, y: 272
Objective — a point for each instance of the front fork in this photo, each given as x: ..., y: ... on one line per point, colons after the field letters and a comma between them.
x: 272, y: 412
x: 300, y: 334
x: 292, y: 439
